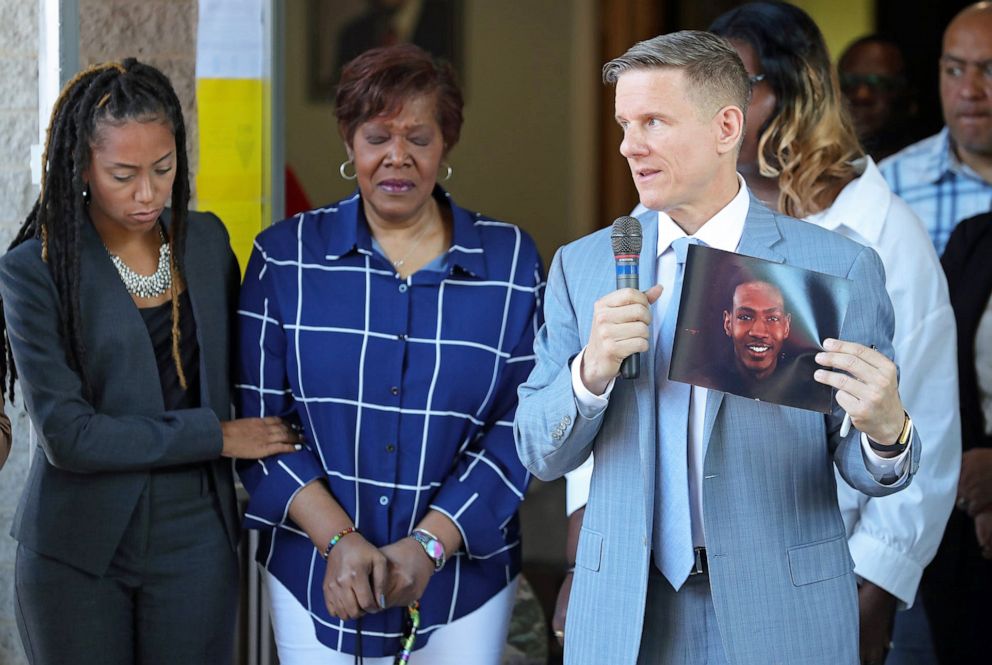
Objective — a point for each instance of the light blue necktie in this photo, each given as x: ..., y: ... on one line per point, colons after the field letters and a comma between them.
x: 672, y: 529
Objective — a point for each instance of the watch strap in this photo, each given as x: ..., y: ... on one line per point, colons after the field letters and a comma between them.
x: 901, y: 441
x: 432, y: 547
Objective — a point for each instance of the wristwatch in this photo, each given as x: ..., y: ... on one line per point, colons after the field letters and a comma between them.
x: 432, y: 546
x: 904, y: 436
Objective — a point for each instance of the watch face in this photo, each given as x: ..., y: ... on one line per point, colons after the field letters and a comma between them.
x: 434, y: 549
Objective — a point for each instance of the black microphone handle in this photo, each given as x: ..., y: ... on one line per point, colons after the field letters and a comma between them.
x: 630, y: 368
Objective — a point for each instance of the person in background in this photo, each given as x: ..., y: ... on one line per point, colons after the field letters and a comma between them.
x: 878, y: 94
x: 948, y: 177
x: 696, y: 516
x: 803, y: 158
x: 118, y: 304
x: 957, y: 586
x: 394, y: 326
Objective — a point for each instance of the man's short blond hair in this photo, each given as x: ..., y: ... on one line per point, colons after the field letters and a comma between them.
x: 713, y: 70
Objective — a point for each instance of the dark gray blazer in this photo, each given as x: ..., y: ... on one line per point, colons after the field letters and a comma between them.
x: 96, y: 455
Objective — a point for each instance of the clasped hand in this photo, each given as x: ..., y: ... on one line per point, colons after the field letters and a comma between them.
x: 867, y: 386
x: 360, y: 578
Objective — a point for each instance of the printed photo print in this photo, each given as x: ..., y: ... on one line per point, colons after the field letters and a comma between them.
x: 752, y: 328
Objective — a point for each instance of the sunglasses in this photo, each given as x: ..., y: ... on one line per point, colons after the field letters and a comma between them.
x: 875, y: 82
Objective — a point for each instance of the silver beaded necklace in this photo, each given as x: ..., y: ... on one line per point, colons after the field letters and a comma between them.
x: 147, y: 286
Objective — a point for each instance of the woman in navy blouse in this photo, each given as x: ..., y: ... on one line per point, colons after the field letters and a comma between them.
x: 394, y: 327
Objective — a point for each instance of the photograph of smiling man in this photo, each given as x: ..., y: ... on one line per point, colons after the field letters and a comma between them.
x: 752, y: 328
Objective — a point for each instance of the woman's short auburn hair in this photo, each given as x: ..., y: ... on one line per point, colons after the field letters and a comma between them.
x: 379, y: 81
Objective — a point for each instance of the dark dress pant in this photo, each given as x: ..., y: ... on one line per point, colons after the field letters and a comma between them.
x: 170, y: 595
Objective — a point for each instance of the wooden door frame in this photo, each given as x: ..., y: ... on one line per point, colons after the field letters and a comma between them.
x: 622, y: 23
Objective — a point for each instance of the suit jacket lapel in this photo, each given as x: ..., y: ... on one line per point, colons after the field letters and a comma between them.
x: 758, y: 239
x: 644, y: 385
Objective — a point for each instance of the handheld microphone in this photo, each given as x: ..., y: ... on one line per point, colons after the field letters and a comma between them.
x: 626, y: 240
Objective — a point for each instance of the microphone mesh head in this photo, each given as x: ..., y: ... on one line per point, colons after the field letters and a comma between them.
x: 626, y: 236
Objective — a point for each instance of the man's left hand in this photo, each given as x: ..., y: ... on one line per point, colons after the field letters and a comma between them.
x: 975, y: 485
x: 867, y: 388
x: 983, y: 532
x: 878, y: 610
x: 410, y: 570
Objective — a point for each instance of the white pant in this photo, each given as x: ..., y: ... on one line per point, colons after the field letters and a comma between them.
x: 477, y: 638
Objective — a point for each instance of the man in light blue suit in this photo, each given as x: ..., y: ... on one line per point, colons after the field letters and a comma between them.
x: 712, y: 533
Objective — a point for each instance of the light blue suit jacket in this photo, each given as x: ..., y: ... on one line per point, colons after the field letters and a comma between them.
x: 780, y: 572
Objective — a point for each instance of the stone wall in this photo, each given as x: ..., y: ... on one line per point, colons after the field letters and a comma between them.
x: 160, y: 32
x: 18, y: 131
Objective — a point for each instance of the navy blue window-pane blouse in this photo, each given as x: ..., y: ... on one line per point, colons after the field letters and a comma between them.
x: 406, y: 391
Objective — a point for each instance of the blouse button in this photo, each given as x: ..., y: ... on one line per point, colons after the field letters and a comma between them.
x: 394, y: 390
x: 390, y: 448
x: 383, y: 500
x: 402, y: 288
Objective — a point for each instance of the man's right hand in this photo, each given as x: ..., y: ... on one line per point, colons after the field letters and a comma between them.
x: 561, y: 608
x: 621, y: 325
x: 877, y: 609
x: 571, y: 550
x: 983, y: 533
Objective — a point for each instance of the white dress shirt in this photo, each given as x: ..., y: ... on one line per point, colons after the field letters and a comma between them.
x: 893, y: 538
x: 722, y: 231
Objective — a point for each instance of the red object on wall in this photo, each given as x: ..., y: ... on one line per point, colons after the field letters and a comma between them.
x: 297, y: 200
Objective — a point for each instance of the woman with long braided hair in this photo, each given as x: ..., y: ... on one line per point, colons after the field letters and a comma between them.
x: 117, y: 307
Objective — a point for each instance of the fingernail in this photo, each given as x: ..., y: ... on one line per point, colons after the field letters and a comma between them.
x: 821, y: 358
x: 382, y: 600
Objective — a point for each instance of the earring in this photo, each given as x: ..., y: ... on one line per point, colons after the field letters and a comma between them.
x: 447, y: 173
x: 343, y: 170
x: 86, y: 195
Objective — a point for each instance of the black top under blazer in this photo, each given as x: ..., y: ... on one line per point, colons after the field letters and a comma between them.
x: 96, y: 455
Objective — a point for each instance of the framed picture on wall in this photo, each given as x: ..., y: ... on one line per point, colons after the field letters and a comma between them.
x: 341, y: 29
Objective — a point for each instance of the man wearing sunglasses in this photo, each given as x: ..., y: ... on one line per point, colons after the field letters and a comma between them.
x: 878, y: 95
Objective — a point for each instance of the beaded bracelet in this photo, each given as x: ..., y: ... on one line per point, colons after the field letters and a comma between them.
x: 334, y: 541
